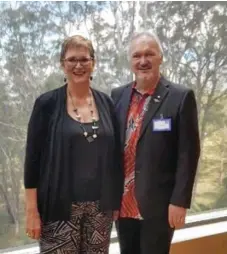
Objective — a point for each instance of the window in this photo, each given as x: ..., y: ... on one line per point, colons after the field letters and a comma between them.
x: 193, y: 36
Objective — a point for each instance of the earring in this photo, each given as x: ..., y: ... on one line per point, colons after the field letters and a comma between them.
x: 91, y: 77
x: 65, y: 80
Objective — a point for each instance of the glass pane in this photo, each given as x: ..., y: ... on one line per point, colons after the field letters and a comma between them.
x: 193, y: 36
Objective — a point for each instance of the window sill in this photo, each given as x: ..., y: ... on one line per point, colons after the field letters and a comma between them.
x: 197, y: 226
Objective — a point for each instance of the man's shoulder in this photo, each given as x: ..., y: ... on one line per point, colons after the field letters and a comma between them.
x: 118, y: 91
x: 176, y: 87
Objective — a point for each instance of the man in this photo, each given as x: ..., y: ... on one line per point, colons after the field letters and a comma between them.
x: 160, y: 141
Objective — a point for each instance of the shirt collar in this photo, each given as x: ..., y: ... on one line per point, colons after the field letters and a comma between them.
x: 148, y: 92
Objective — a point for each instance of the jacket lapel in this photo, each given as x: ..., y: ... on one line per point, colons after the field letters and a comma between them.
x: 156, y: 101
x: 124, y: 106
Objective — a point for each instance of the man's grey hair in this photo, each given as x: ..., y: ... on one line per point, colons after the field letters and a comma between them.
x: 149, y: 34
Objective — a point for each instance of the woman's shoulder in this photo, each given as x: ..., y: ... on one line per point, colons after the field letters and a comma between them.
x: 105, y: 101
x: 105, y: 97
x: 50, y: 97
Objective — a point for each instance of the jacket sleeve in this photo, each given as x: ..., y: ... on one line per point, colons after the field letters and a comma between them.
x: 118, y: 167
x: 188, y: 151
x: 115, y: 94
x: 35, y: 142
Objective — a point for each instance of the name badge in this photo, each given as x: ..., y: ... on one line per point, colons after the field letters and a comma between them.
x: 162, y: 124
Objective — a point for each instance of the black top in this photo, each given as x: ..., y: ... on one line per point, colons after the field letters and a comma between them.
x: 85, y: 171
x: 46, y: 157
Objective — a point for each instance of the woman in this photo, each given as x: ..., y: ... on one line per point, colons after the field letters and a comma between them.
x: 73, y: 176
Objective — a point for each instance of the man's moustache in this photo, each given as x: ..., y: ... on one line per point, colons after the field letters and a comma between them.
x: 145, y: 68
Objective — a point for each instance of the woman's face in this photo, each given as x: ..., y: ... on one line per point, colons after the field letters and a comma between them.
x: 78, y: 65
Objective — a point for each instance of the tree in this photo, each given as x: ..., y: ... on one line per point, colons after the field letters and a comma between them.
x: 193, y: 35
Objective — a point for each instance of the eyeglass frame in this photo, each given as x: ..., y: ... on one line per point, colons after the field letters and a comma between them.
x: 78, y: 60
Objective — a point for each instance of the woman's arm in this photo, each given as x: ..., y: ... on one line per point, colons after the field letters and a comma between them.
x: 33, y: 222
x: 35, y: 141
x: 118, y: 161
x: 31, y: 199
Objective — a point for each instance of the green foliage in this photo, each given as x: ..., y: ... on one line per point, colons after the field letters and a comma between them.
x: 193, y: 36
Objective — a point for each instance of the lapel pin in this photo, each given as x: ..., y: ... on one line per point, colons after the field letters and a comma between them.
x: 156, y: 100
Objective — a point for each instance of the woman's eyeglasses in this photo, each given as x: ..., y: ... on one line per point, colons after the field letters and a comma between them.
x: 73, y: 61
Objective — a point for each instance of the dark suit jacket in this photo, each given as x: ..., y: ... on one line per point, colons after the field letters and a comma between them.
x: 166, y: 161
x: 46, y: 163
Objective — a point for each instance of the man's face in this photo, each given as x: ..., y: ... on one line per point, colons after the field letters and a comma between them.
x: 146, y: 58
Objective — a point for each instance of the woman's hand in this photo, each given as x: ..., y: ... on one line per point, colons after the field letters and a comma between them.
x: 33, y: 223
x: 115, y: 215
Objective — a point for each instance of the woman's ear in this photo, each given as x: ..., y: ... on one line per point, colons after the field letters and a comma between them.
x: 93, y: 64
x: 161, y: 59
x: 62, y: 64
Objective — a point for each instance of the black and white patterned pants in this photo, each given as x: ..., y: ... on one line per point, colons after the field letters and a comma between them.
x: 88, y: 231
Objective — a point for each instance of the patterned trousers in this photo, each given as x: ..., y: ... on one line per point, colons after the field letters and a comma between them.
x: 88, y: 231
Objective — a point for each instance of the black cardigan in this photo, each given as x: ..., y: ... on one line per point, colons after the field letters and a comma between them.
x: 45, y: 163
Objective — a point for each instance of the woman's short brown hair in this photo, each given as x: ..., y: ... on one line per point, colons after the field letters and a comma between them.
x: 76, y: 41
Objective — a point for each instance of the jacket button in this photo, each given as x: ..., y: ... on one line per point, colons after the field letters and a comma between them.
x: 137, y: 171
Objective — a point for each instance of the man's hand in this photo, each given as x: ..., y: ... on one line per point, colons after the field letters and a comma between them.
x: 176, y: 216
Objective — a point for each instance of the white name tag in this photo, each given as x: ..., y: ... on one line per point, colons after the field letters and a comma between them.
x: 162, y: 124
